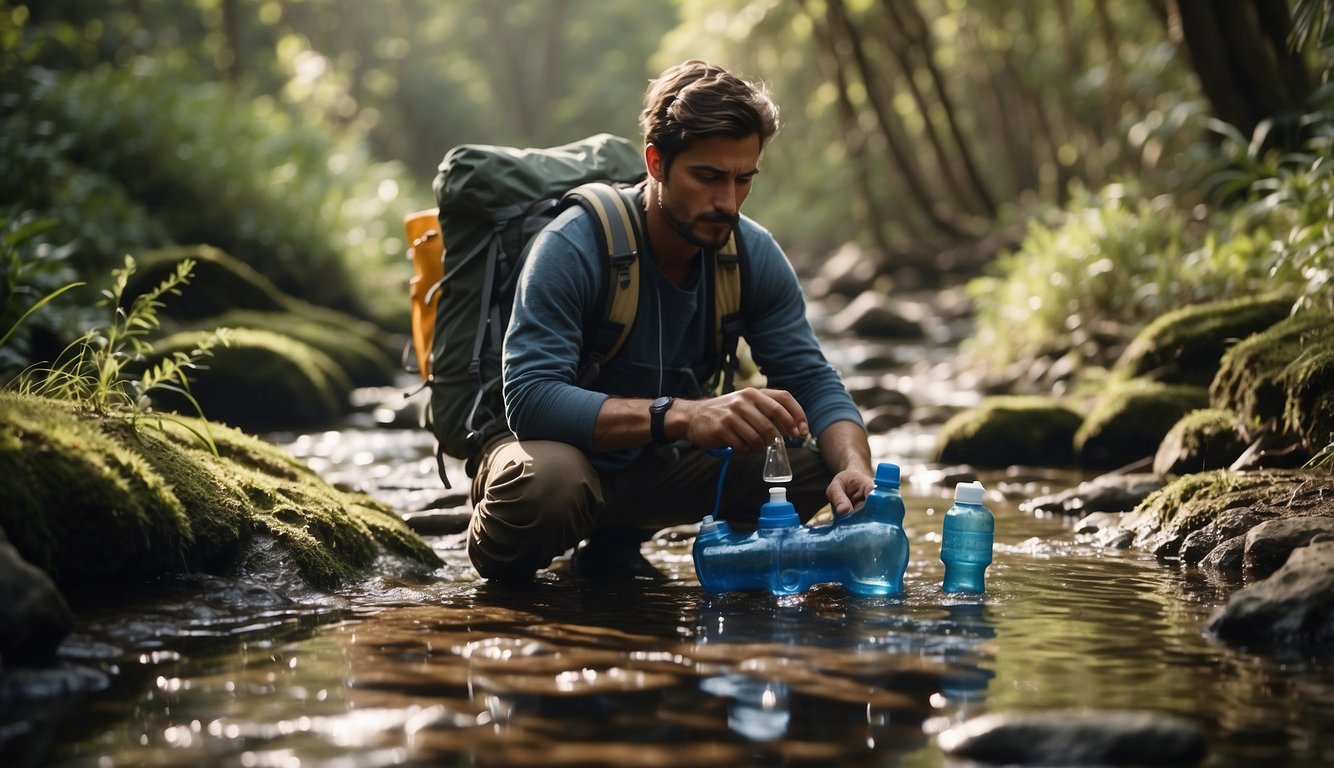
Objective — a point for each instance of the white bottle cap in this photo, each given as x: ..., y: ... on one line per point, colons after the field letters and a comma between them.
x: 969, y: 493
x: 777, y: 494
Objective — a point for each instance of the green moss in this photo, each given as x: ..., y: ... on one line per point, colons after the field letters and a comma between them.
x: 1203, y: 439
x: 81, y: 502
x: 262, y: 380
x: 1164, y: 519
x: 1130, y: 419
x: 109, y: 499
x: 223, y: 283
x: 1007, y: 430
x: 1283, y: 377
x: 220, y: 282
x: 1186, y: 345
x: 361, y: 358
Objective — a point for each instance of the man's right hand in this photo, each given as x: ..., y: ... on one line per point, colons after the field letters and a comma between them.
x: 747, y: 420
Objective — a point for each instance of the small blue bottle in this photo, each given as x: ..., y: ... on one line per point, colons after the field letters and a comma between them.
x: 966, y: 539
x: 884, y: 501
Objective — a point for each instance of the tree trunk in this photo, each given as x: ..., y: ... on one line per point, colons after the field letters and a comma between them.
x: 1239, y: 50
x: 231, y: 32
x: 891, y: 128
x: 908, y: 18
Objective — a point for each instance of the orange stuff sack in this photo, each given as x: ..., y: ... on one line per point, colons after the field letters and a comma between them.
x: 426, y: 251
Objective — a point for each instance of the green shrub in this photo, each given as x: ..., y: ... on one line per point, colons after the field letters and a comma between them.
x: 1085, y: 283
x: 310, y: 211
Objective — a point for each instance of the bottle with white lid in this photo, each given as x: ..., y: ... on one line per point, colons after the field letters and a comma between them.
x: 966, y: 539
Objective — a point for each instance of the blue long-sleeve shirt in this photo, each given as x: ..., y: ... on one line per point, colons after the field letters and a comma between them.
x: 558, y: 290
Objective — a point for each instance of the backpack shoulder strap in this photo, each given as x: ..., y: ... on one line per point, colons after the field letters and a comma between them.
x: 728, y: 324
x: 616, y: 220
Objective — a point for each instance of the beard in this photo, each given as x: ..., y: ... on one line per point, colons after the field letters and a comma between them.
x: 686, y: 225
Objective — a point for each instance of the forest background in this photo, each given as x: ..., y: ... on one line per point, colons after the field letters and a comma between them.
x: 1083, y: 165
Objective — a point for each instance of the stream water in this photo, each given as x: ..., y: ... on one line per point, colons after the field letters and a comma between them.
x: 453, y: 671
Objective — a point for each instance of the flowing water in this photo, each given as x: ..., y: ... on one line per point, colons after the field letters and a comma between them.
x: 452, y: 671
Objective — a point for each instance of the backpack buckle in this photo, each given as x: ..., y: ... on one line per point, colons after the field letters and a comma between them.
x: 621, y: 263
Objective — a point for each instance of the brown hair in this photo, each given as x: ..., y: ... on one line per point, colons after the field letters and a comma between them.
x: 695, y: 99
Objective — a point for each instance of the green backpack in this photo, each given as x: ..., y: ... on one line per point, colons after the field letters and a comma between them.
x: 492, y: 202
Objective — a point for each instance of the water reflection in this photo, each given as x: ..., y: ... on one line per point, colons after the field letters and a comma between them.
x: 568, y: 672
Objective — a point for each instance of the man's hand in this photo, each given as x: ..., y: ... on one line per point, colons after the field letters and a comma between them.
x: 848, y: 489
x: 845, y: 451
x: 747, y: 419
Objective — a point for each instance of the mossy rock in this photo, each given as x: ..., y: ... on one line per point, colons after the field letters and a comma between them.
x: 259, y: 381
x: 1131, y: 419
x: 1186, y: 346
x: 1201, y: 440
x: 218, y: 283
x: 1284, y: 378
x: 362, y: 359
x: 221, y: 283
x: 103, y: 499
x: 1007, y: 430
x: 1163, y: 520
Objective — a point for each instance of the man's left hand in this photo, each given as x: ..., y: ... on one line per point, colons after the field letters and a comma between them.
x: 848, y: 489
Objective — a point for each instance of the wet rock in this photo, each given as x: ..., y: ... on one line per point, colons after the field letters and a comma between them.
x: 1077, y: 738
x: 1006, y: 430
x: 122, y: 503
x: 1269, y: 544
x: 1105, y: 493
x: 1226, y: 558
x: 29, y: 685
x: 1201, y: 440
x: 886, y: 417
x: 873, y: 315
x: 1294, y: 607
x: 1231, y: 524
x: 1104, y: 528
x: 33, y: 615
x: 1190, y: 502
x: 873, y: 392
x: 1130, y: 421
x: 847, y: 272
x: 438, y: 522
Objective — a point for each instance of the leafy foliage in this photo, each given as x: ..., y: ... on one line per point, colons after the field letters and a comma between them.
x: 94, y: 372
x: 1086, y: 282
x: 1288, y: 199
x: 32, y: 274
x: 281, y: 196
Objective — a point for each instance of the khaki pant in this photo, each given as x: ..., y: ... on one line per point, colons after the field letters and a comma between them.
x: 533, y: 500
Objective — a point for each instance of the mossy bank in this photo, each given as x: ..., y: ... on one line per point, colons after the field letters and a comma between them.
x: 98, y: 499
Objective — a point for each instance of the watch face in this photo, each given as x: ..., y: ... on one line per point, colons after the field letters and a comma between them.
x: 661, y: 404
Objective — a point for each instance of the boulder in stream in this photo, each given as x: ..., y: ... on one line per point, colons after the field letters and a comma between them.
x: 1292, y: 608
x: 34, y: 617
x: 1185, y: 346
x: 1204, y: 439
x: 1130, y: 420
x: 1102, y: 738
x: 1005, y: 430
x: 99, y: 500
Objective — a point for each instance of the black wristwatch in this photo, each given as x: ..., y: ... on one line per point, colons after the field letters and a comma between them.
x: 657, y: 416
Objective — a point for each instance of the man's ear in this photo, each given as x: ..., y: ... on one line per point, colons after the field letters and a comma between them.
x: 653, y: 162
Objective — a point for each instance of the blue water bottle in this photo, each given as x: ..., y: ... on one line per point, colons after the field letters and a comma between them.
x: 965, y: 542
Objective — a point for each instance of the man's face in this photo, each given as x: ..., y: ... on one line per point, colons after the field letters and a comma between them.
x: 701, y: 194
